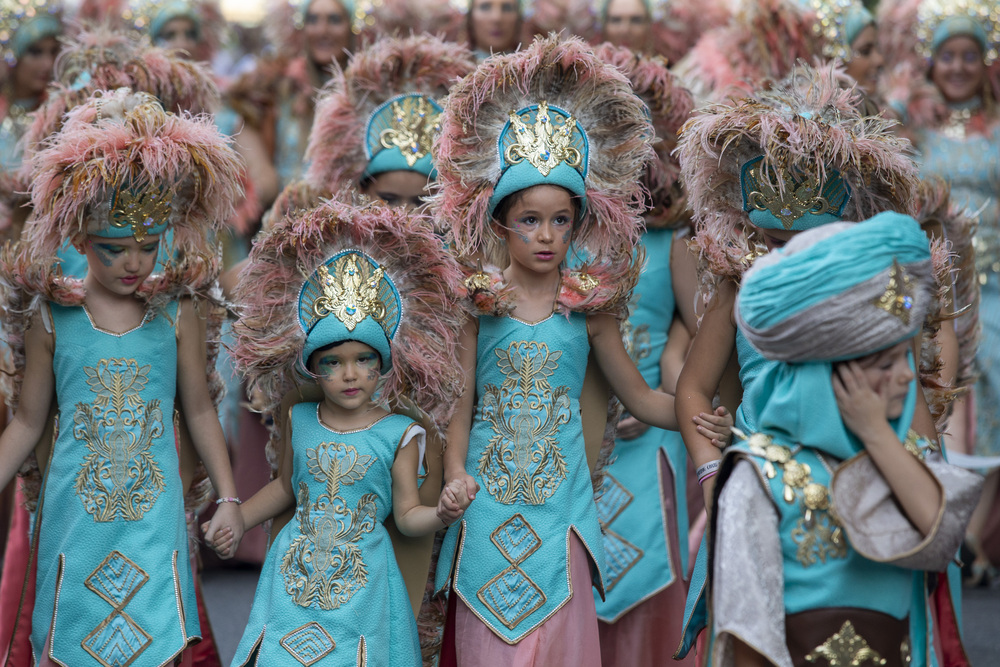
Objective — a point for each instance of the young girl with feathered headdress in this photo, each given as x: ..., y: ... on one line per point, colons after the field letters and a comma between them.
x: 359, y: 300
x: 109, y: 353
x: 646, y: 538
x: 825, y: 513
x: 539, y: 150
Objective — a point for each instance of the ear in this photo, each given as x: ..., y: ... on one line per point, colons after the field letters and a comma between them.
x: 80, y: 243
x: 499, y: 230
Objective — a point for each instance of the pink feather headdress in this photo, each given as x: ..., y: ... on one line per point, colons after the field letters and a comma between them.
x: 808, y: 122
x: 270, y: 340
x: 761, y: 42
x: 669, y: 105
x: 388, y: 68
x: 127, y: 139
x: 565, y: 73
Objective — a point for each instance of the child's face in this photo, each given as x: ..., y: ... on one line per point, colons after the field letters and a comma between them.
x: 348, y: 374
x: 120, y: 265
x: 889, y: 371
x: 538, y: 228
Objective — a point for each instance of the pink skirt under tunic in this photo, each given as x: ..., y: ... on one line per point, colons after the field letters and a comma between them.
x: 569, y: 637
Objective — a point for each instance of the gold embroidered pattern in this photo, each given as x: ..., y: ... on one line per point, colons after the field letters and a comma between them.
x: 620, y: 555
x: 523, y: 462
x: 898, y: 297
x: 635, y: 338
x: 119, y: 477
x: 544, y: 145
x: 118, y: 640
x: 308, y: 644
x: 415, y: 123
x: 511, y: 595
x: 587, y: 282
x: 351, y: 294
x: 140, y: 210
x: 846, y: 648
x: 817, y: 534
x: 323, y: 565
x: 788, y: 203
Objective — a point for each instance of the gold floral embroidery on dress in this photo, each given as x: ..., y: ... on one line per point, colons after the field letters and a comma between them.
x: 846, y: 648
x: 323, y: 566
x: 817, y: 534
x: 523, y: 462
x: 119, y: 477
x: 635, y: 338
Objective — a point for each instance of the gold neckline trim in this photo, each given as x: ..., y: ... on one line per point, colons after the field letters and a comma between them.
x: 322, y: 423
x: 116, y: 334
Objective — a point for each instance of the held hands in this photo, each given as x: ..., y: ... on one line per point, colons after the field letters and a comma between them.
x: 862, y: 406
x: 225, y: 530
x: 717, y: 426
x: 453, y: 501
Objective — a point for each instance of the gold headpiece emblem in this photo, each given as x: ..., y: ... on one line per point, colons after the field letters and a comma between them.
x: 544, y: 145
x: 415, y: 123
x: 897, y: 300
x: 351, y: 293
x: 141, y: 211
x: 787, y: 203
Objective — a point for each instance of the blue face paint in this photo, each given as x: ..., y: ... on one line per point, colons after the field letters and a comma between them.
x: 106, y: 252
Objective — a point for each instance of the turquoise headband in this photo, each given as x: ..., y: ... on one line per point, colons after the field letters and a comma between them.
x: 349, y: 297
x: 954, y: 26
x: 857, y: 19
x: 541, y: 145
x: 33, y: 30
x: 168, y: 12
x: 347, y: 5
x: 800, y: 207
x: 399, y: 135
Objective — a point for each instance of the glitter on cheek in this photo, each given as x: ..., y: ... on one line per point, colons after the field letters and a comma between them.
x: 103, y: 254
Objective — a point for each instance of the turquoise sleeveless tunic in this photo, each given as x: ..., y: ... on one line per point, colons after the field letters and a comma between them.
x: 752, y: 366
x: 527, y: 452
x: 633, y: 517
x: 330, y: 591
x: 114, y: 579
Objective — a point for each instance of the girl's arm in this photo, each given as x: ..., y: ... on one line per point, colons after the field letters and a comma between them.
x: 412, y: 518
x: 674, y: 355
x: 461, y: 423
x: 37, y: 391
x: 863, y: 410
x: 203, y: 420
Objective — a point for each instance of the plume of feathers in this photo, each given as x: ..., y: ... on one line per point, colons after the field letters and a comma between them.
x: 390, y: 67
x: 809, y: 121
x: 669, y: 105
x: 269, y: 340
x: 565, y: 73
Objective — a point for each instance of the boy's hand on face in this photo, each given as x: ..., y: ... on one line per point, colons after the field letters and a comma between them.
x: 862, y: 406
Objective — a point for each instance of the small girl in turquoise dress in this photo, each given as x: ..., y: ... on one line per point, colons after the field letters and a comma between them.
x: 111, y: 356
x: 540, y: 150
x: 373, y: 325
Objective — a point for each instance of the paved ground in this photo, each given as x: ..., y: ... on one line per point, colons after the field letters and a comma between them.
x: 229, y: 593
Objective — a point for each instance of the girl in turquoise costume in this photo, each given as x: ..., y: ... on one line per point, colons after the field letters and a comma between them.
x: 492, y: 26
x: 28, y: 49
x: 374, y: 324
x: 824, y: 513
x: 539, y: 149
x: 643, y: 504
x: 845, y: 30
x: 956, y: 128
x: 758, y: 172
x: 109, y: 353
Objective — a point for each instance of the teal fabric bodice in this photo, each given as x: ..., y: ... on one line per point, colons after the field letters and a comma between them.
x: 752, y: 366
x: 821, y: 569
x: 290, y: 145
x: 637, y: 540
x: 330, y: 589
x: 527, y: 452
x: 114, y: 579
x: 12, y: 127
x: 971, y: 164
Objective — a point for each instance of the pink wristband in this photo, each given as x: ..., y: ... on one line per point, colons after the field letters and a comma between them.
x: 701, y: 480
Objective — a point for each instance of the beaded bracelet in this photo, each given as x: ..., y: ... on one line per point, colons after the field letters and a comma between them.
x: 229, y: 500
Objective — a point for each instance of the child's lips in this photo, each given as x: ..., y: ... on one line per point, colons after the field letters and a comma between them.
x: 545, y: 254
x: 128, y: 280
x: 353, y: 391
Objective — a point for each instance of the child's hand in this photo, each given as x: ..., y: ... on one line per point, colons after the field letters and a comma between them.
x: 630, y: 428
x: 470, y: 483
x: 224, y: 532
x: 861, y: 405
x: 453, y: 502
x: 717, y: 426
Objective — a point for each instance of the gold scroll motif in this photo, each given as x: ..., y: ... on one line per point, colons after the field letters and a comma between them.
x: 415, y: 123
x: 141, y: 210
x: 795, y: 197
x: 845, y: 648
x: 523, y: 464
x: 351, y: 292
x: 543, y: 144
x: 119, y: 477
x: 323, y: 566
x: 817, y: 534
